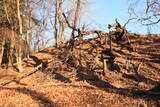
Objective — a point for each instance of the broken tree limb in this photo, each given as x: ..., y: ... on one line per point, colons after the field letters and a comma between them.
x: 83, y: 33
x: 39, y: 67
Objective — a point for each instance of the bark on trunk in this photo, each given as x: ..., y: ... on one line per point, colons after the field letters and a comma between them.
x: 61, y: 23
x: 55, y: 24
x: 75, y: 22
x: 2, y: 52
x: 19, y: 57
x: 28, y: 44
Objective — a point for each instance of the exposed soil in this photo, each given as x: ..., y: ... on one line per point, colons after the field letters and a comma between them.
x: 75, y: 79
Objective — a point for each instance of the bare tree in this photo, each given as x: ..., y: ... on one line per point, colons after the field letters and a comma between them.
x: 75, y: 20
x: 58, y: 25
x: 19, y: 53
x: 28, y: 26
x: 56, y: 22
x: 149, y: 14
x: 61, y: 22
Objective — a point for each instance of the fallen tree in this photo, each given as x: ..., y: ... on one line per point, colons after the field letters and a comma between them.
x: 39, y: 67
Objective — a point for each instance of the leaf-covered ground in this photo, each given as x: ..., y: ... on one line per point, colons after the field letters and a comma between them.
x: 75, y: 79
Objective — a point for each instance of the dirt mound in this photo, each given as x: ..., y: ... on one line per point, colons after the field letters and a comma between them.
x: 75, y: 78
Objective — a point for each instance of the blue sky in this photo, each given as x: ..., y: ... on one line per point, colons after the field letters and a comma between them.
x: 104, y: 12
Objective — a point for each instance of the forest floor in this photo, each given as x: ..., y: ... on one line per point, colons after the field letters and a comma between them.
x: 75, y: 79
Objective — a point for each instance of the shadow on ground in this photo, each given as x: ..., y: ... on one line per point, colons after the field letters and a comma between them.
x: 93, y: 79
x: 35, y: 96
x: 106, y: 86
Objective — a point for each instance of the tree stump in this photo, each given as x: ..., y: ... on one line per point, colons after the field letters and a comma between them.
x: 108, y: 61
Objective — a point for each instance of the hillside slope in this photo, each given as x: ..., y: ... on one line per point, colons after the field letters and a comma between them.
x: 76, y: 78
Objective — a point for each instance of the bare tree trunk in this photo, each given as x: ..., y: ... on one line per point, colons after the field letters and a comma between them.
x: 35, y: 45
x: 62, y: 32
x: 28, y: 43
x: 2, y: 52
x: 42, y: 45
x: 36, y: 42
x: 61, y: 23
x: 56, y: 23
x: 12, y: 46
x: 75, y: 22
x: 28, y: 28
x: 19, y: 57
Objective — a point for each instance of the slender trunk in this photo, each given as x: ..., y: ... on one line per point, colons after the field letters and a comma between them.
x: 20, y: 41
x: 43, y: 39
x: 35, y: 45
x: 2, y: 52
x: 28, y: 44
x: 61, y: 23
x: 75, y: 22
x: 11, y: 58
x: 12, y: 46
x: 55, y: 24
x: 62, y: 32
x: 28, y: 28
x: 36, y: 42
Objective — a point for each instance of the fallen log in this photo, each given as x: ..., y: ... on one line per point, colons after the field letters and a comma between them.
x: 39, y: 67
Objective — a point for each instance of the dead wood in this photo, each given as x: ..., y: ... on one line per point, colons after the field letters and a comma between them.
x: 23, y: 76
x: 83, y: 33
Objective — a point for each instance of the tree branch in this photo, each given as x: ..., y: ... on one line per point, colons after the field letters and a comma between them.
x: 83, y: 33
